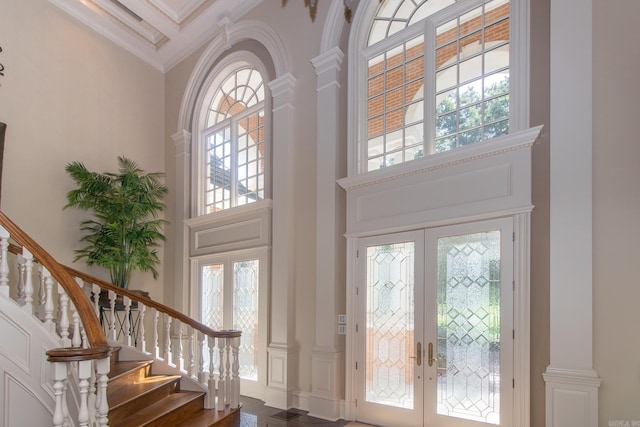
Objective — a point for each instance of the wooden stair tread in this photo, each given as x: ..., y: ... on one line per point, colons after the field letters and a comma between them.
x: 118, y: 395
x: 152, y: 414
x: 210, y: 417
x: 121, y: 368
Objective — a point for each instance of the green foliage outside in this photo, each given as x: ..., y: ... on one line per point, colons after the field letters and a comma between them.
x: 464, y: 126
x: 125, y: 230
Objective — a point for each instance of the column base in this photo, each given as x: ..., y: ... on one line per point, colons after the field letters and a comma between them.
x: 571, y: 397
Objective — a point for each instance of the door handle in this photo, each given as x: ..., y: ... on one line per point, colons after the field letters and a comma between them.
x: 418, y: 355
x: 431, y: 359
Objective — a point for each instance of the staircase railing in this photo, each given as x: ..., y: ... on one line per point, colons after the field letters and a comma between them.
x: 67, y: 302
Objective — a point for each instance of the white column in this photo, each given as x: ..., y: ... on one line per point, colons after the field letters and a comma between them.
x: 326, y: 358
x: 182, y: 141
x: 282, y: 364
x: 571, y: 383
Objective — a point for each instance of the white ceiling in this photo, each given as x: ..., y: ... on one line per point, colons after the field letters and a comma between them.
x: 160, y: 32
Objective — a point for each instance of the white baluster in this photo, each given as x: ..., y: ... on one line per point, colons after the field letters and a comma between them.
x: 156, y: 346
x: 63, y: 317
x: 4, y: 263
x: 59, y: 373
x: 211, y: 383
x: 112, y: 315
x: 102, y: 406
x: 235, y: 373
x: 168, y: 357
x: 140, y: 337
x: 48, y: 302
x: 20, y: 295
x: 202, y: 375
x: 42, y: 297
x: 192, y: 352
x: 84, y: 374
x: 76, y: 340
x: 222, y: 384
x: 28, y: 280
x: 126, y: 301
x: 180, y: 347
x: 227, y: 371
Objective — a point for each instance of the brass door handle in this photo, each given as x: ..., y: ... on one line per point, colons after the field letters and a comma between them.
x: 418, y: 355
x: 431, y: 359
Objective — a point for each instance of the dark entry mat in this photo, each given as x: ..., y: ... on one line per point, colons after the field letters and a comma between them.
x: 288, y: 415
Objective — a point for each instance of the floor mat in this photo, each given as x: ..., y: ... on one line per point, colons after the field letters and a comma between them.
x: 288, y: 415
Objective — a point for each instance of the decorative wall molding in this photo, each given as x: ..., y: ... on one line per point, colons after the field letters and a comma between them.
x: 477, y: 182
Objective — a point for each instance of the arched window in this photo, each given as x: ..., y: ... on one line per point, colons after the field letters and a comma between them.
x: 437, y: 77
x: 233, y: 150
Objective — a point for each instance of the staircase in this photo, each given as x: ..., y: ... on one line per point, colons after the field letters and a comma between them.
x: 138, y: 397
x: 175, y: 373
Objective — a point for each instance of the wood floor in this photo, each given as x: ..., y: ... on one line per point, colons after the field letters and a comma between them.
x: 255, y: 414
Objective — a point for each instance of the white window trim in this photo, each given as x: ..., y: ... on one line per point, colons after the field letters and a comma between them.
x: 518, y: 65
x: 217, y: 75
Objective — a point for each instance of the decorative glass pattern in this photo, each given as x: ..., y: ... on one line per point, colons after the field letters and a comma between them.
x: 469, y: 327
x: 245, y: 315
x: 212, y: 280
x: 390, y: 325
x: 234, y: 168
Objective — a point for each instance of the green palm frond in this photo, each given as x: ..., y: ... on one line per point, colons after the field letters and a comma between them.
x: 125, y: 227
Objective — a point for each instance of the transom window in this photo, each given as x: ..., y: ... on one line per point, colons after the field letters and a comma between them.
x: 437, y: 76
x: 234, y: 141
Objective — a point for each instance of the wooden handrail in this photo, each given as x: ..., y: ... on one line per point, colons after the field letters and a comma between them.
x: 95, y: 336
x: 148, y: 302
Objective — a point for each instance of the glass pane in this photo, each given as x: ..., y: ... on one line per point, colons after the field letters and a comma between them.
x: 389, y: 322
x: 245, y: 315
x: 212, y: 280
x: 469, y: 327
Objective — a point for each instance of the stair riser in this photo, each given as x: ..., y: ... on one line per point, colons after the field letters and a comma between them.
x: 141, y: 401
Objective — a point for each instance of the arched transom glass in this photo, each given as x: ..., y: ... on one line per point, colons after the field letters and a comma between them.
x: 437, y: 75
x: 234, y: 141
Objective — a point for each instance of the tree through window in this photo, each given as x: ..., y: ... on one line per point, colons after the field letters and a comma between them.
x: 437, y: 76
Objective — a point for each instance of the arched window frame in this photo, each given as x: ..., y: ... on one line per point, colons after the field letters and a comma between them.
x: 518, y: 66
x: 219, y: 73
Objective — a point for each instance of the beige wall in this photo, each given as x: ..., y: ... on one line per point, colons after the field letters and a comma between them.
x: 68, y: 94
x: 539, y: 114
x: 616, y: 203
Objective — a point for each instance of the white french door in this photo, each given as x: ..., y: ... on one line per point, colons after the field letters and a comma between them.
x: 434, y: 329
x: 232, y: 294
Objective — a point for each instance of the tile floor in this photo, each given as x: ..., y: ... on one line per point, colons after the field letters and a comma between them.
x: 255, y: 414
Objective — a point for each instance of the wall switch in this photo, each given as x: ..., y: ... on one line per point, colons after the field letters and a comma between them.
x: 342, y: 319
x: 342, y: 329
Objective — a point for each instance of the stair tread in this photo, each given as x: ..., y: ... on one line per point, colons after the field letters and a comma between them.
x: 155, y: 411
x: 120, y: 395
x: 121, y: 368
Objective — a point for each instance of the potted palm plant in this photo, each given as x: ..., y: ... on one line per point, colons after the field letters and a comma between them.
x: 125, y: 228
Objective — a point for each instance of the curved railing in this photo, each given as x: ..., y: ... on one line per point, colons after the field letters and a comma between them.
x: 86, y: 329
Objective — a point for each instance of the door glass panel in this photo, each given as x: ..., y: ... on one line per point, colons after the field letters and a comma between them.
x: 212, y: 279
x: 468, y: 354
x: 390, y: 325
x: 245, y: 315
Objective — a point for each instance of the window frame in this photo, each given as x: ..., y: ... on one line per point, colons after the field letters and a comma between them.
x: 216, y: 76
x: 358, y: 69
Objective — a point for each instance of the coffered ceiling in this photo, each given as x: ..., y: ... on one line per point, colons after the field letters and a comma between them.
x: 160, y: 32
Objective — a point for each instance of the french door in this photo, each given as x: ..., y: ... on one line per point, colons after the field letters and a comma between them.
x: 434, y: 336
x: 232, y: 294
